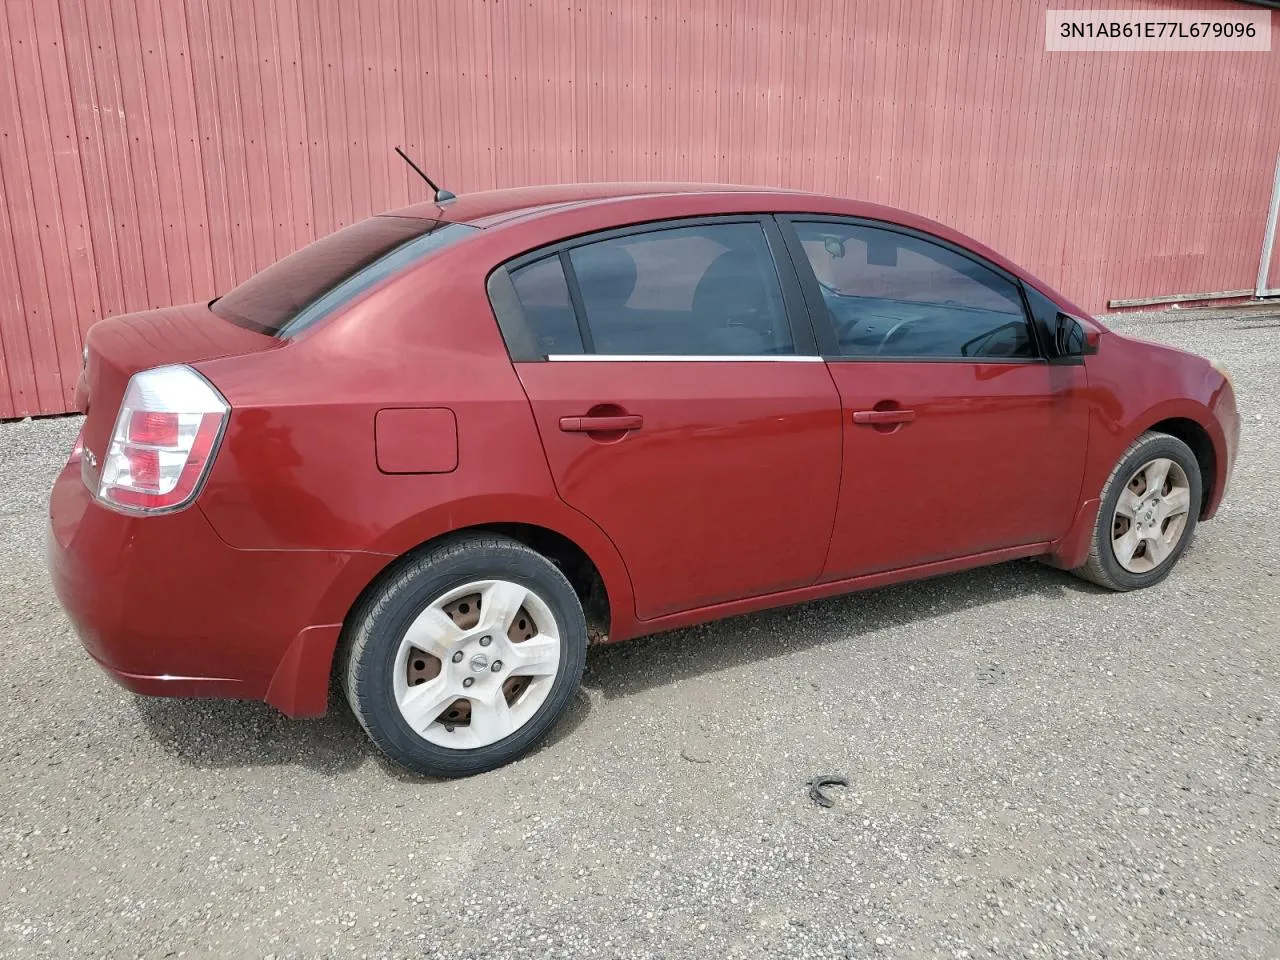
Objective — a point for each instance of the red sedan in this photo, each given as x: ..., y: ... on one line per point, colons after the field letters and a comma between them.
x: 439, y: 452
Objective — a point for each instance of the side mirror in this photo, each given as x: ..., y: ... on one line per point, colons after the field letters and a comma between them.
x: 1072, y: 338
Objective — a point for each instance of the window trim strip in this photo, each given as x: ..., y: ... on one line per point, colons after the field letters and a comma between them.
x: 680, y: 358
x: 972, y: 361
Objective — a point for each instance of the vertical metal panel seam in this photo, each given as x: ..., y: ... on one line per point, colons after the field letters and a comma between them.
x: 10, y: 353
x: 31, y: 338
x: 188, y: 162
x: 153, y: 179
x: 203, y: 134
x: 307, y: 173
x: 55, y: 251
x: 317, y: 224
x: 72, y: 192
x: 244, y: 34
x: 282, y: 131
x: 129, y: 184
x: 167, y: 87
x: 106, y: 262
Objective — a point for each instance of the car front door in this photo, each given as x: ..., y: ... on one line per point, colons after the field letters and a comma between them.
x: 681, y: 403
x: 960, y: 438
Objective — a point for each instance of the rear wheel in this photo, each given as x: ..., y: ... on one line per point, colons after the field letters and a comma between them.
x: 466, y: 656
x: 1147, y: 516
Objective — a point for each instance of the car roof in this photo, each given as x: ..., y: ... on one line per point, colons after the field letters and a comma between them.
x: 488, y: 208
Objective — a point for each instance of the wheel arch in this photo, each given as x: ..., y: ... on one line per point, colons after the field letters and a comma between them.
x: 304, y: 675
x: 1198, y: 438
x: 1195, y: 425
x: 1191, y: 422
x: 578, y: 566
x: 567, y: 538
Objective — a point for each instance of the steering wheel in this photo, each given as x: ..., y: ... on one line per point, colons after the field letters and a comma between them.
x: 893, y: 332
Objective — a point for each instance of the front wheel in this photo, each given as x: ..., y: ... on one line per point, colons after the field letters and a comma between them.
x: 1148, y: 513
x: 466, y: 656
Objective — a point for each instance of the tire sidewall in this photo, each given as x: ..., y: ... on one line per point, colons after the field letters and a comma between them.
x: 1156, y: 446
x: 408, y: 594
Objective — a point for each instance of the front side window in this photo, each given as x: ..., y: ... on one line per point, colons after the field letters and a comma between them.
x: 708, y: 290
x: 893, y: 295
x: 308, y: 285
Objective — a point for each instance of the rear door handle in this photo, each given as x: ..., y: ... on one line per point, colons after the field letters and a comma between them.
x: 883, y: 416
x: 629, y: 421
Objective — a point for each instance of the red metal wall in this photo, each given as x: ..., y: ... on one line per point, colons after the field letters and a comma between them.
x: 154, y: 151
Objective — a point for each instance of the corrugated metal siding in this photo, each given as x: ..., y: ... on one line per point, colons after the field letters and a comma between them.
x: 158, y: 151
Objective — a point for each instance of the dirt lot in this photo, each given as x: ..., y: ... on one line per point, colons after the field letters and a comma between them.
x: 1038, y: 769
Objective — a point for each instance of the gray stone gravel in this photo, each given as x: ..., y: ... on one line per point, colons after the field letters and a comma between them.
x: 1037, y: 769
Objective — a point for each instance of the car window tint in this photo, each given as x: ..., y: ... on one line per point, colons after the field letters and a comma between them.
x: 544, y: 299
x: 308, y: 285
x: 893, y: 295
x: 688, y: 291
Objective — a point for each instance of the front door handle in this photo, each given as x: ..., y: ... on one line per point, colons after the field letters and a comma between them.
x: 590, y: 424
x: 875, y: 417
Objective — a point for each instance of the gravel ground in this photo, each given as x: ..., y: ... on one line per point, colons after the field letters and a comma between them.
x: 1037, y: 769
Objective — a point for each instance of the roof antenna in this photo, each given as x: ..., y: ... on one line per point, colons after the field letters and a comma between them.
x: 442, y: 195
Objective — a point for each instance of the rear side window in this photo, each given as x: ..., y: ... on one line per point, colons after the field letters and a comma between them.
x: 544, y: 299
x: 889, y: 294
x: 687, y: 291
x: 303, y: 288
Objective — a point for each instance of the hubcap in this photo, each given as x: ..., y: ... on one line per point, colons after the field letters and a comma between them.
x: 476, y: 664
x: 1151, y: 515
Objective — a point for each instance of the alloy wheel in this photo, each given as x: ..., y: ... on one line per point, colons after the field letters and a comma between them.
x: 1151, y: 515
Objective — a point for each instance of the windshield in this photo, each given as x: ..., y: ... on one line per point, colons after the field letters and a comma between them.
x: 293, y: 294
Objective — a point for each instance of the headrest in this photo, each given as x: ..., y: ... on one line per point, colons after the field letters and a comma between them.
x: 606, y: 274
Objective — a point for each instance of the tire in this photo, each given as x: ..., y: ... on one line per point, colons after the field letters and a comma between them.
x: 438, y: 593
x: 1149, y: 565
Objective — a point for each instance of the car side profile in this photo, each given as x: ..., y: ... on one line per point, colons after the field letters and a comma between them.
x: 436, y: 454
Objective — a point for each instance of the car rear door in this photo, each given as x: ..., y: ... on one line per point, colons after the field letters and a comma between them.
x: 959, y: 437
x: 681, y: 403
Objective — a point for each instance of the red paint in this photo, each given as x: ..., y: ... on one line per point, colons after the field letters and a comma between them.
x: 416, y: 440
x: 708, y: 487
x: 991, y: 458
x: 163, y: 153
x: 1134, y: 383
x: 141, y: 593
x: 300, y: 684
x: 720, y: 441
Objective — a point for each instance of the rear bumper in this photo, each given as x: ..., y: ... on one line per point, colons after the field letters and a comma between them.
x: 167, y: 685
x: 167, y: 608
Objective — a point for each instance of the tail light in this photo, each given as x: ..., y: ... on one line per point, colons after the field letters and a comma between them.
x: 164, y: 440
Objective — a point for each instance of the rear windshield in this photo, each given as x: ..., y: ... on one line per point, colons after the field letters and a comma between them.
x: 308, y: 285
